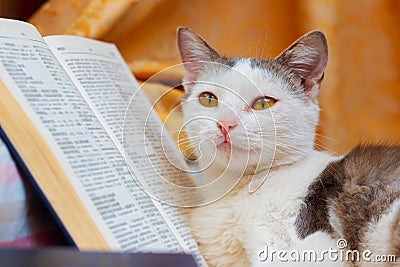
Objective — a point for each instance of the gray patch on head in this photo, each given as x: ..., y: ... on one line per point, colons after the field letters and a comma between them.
x: 229, y: 61
x: 214, y: 70
x: 281, y: 72
x: 271, y: 66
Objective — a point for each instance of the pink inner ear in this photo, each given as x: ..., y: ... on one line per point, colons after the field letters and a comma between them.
x: 307, y: 57
x: 194, y: 52
x: 308, y: 64
x: 191, y: 72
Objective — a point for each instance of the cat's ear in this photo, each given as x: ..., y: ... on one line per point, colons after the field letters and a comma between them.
x: 307, y: 58
x: 194, y: 52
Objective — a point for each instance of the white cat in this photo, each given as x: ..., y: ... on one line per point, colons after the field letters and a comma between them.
x: 253, y: 119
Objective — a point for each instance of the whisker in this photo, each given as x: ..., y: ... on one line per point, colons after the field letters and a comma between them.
x: 184, y: 141
x: 190, y: 138
x: 265, y: 40
x: 257, y: 47
x: 325, y: 148
x: 190, y: 143
x: 183, y: 131
x: 327, y: 137
x: 289, y: 147
x: 188, y: 148
x: 280, y: 144
x: 191, y: 154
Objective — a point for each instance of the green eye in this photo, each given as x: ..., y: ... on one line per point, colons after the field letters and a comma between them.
x: 208, y: 99
x: 263, y: 102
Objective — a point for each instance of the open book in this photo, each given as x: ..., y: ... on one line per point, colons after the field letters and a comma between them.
x: 63, y: 106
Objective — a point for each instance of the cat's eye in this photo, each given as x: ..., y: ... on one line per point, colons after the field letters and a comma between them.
x: 263, y: 102
x: 208, y: 99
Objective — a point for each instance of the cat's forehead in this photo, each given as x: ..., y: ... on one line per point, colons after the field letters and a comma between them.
x: 248, y: 78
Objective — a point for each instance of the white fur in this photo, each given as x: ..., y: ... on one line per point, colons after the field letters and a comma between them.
x: 378, y: 236
x: 319, y: 242
x: 252, y: 221
x: 232, y: 230
x: 334, y: 221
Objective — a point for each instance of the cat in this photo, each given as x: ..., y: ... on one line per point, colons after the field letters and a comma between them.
x: 252, y: 119
x: 357, y: 198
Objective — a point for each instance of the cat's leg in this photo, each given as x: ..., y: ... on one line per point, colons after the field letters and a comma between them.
x: 216, y: 231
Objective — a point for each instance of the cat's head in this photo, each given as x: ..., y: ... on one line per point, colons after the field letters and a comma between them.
x: 252, y: 109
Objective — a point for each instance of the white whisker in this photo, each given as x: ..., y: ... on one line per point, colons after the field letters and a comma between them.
x: 185, y: 141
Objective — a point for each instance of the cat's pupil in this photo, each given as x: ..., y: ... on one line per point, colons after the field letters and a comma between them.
x: 208, y: 99
x: 263, y: 102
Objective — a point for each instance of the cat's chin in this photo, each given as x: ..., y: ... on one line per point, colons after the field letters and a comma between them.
x: 224, y: 146
x: 228, y: 149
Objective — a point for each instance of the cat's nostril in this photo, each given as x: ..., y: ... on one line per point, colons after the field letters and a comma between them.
x: 225, y: 126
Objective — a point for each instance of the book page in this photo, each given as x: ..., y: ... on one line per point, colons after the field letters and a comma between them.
x: 38, y: 82
x: 89, y: 158
x: 108, y: 86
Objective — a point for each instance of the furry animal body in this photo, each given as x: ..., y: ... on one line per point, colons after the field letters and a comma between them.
x: 255, y: 120
x: 357, y: 199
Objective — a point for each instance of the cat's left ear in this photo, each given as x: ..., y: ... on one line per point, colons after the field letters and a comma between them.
x: 194, y: 52
x: 307, y: 58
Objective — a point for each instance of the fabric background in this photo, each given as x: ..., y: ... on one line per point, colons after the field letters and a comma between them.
x: 25, y: 220
x: 360, y: 96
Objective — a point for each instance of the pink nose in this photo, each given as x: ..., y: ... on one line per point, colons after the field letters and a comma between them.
x: 226, y: 126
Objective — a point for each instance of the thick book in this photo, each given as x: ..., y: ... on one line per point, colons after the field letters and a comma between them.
x: 74, y: 114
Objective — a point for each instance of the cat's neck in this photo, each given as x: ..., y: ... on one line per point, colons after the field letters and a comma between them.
x: 280, y: 182
x: 297, y: 174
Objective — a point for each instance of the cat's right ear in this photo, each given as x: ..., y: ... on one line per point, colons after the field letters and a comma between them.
x: 194, y: 52
x: 307, y: 58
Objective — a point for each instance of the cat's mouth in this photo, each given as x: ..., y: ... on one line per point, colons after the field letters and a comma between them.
x: 224, y: 148
x: 230, y: 146
x: 225, y: 145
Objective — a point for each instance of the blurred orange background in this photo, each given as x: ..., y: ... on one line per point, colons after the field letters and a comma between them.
x: 360, y: 96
